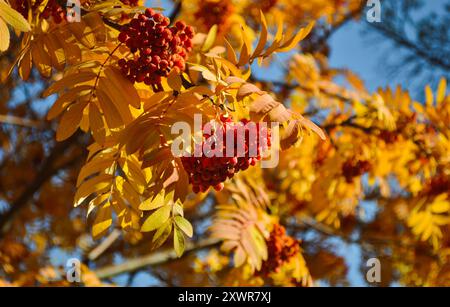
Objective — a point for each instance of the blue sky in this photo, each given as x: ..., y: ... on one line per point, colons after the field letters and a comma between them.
x: 351, y: 48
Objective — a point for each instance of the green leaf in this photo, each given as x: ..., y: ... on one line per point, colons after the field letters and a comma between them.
x: 12, y: 17
x: 178, y: 242
x: 156, y: 219
x: 184, y: 225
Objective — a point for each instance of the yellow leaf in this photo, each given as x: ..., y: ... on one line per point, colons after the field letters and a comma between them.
x: 440, y: 207
x: 174, y: 80
x: 239, y: 256
x: 184, y: 225
x: 83, y: 33
x: 440, y: 204
x: 124, y: 88
x: 97, y: 124
x: 210, y: 39
x: 25, y: 64
x: 234, y: 70
x: 103, y: 221
x: 262, y: 38
x: 4, y: 36
x: 14, y: 18
x: 134, y: 173
x: 65, y: 100
x: 55, y: 51
x: 245, y: 50
x: 94, y: 166
x: 111, y: 113
x: 156, y: 219
x: 246, y: 90
x: 153, y: 203
x: 98, y: 184
x: 312, y: 126
x: 41, y: 58
x: 162, y: 234
x: 206, y: 73
x: 279, y: 34
x: 69, y: 81
x: 293, y: 42
x: 429, y: 96
x: 70, y: 121
x: 231, y: 55
x: 290, y: 135
x: 441, y: 91
x: 155, y: 99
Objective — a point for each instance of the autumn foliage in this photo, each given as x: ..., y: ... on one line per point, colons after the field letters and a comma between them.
x: 93, y: 174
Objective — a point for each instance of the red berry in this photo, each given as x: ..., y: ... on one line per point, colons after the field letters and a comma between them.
x: 123, y: 37
x: 142, y: 17
x: 165, y: 21
x: 158, y: 17
x: 149, y: 12
x: 180, y: 25
x: 189, y: 31
x: 219, y: 187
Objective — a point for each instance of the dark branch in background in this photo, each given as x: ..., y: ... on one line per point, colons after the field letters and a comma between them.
x: 319, y: 44
x: 423, y: 43
x: 47, y: 170
x: 176, y: 11
x: 307, y: 223
x: 403, y: 41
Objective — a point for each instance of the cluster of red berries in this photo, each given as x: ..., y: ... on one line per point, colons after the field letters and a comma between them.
x: 438, y: 185
x: 206, y: 171
x: 281, y: 248
x: 53, y: 9
x: 212, y: 12
x: 354, y: 168
x: 388, y: 137
x: 158, y: 47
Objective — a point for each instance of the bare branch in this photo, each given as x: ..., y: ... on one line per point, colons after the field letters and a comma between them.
x: 152, y: 259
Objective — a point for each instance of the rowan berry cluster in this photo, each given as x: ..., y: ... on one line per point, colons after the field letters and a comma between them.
x: 389, y: 137
x: 281, y: 248
x: 211, y: 171
x: 212, y: 12
x: 354, y: 168
x: 437, y: 185
x: 53, y: 9
x: 157, y: 47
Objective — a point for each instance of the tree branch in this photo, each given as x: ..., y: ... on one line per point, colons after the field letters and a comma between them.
x: 408, y: 44
x: 19, y: 121
x: 176, y: 11
x: 104, y: 245
x: 47, y: 171
x: 152, y: 259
